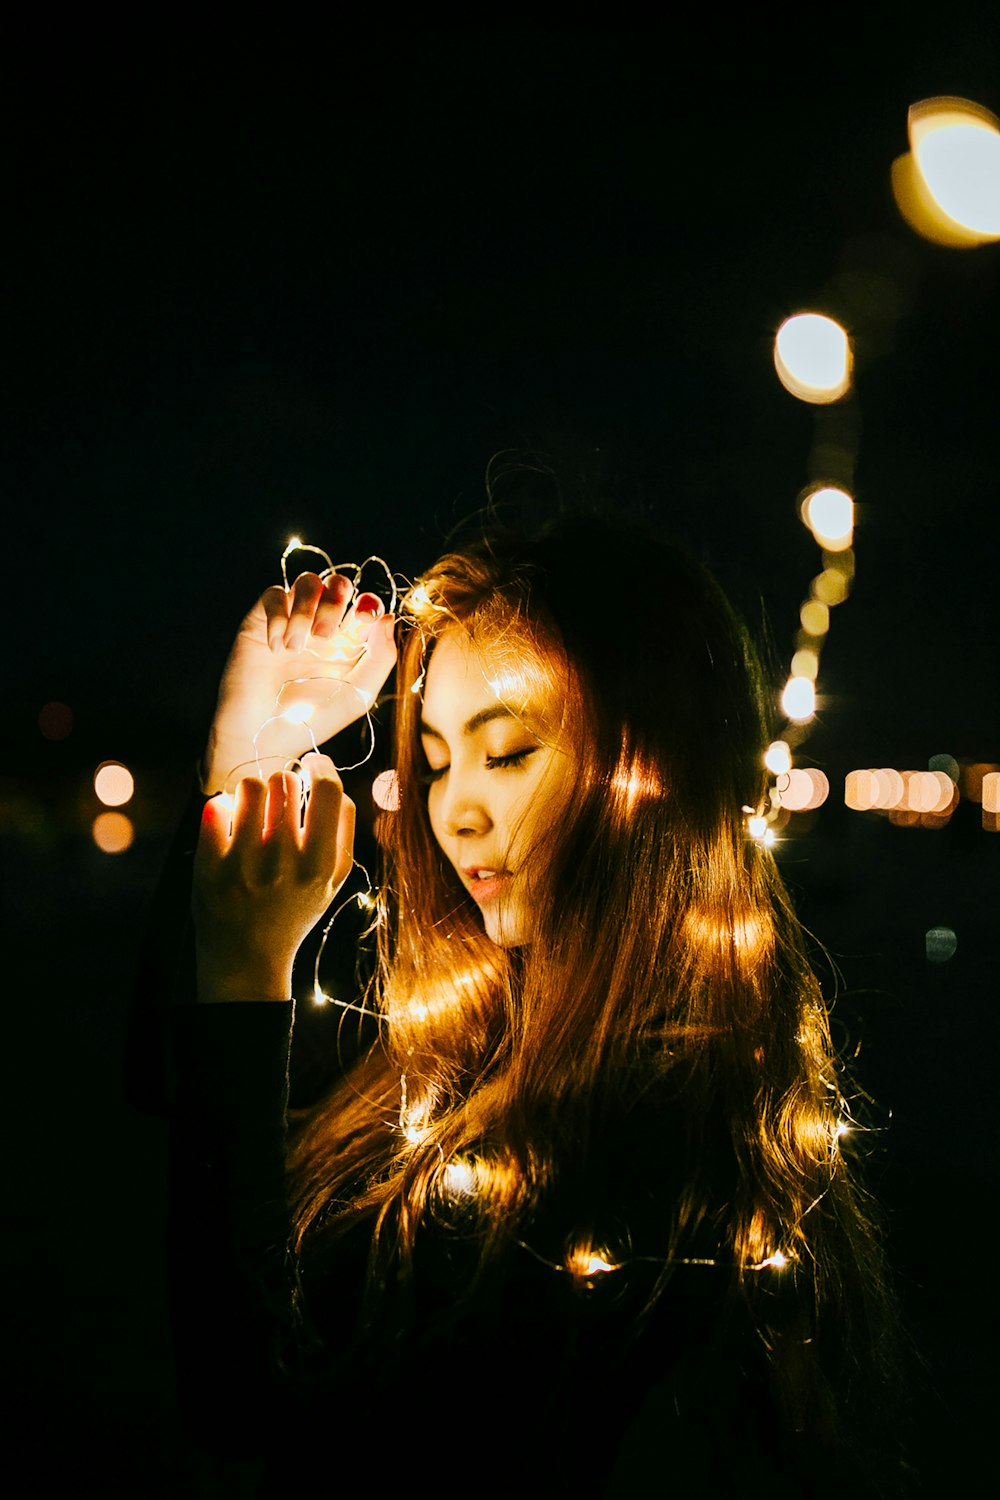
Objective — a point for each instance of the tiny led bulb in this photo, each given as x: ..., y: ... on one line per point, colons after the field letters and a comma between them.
x: 595, y: 1264
x: 299, y: 713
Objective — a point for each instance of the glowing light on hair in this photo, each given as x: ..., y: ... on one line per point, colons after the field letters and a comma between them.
x: 947, y: 187
x: 747, y: 932
x: 757, y: 825
x: 414, y: 1114
x: 798, y: 701
x: 113, y: 783
x: 507, y: 684
x: 779, y: 1260
x: 812, y: 356
x: 584, y: 1263
x: 633, y: 781
x: 459, y: 1178
x: 829, y: 514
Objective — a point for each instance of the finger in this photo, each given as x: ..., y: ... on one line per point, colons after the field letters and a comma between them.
x: 306, y: 593
x: 316, y: 765
x: 248, y: 816
x: 378, y: 661
x: 284, y: 806
x: 322, y: 832
x: 213, y: 835
x: 330, y: 609
x: 275, y: 602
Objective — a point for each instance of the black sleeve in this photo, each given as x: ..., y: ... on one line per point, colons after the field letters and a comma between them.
x: 231, y: 1291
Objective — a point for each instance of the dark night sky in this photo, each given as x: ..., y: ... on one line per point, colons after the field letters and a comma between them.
x: 312, y: 283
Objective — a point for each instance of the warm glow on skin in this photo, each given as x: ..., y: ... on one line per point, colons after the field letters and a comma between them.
x: 495, y: 787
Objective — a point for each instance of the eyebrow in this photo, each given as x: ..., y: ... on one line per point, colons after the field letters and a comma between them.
x: 484, y: 716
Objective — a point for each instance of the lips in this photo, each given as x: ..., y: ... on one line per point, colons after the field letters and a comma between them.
x: 485, y: 883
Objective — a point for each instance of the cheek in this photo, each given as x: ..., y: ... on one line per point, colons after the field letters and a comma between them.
x: 433, y: 804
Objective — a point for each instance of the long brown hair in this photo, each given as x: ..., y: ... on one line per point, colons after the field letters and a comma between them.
x: 667, y: 957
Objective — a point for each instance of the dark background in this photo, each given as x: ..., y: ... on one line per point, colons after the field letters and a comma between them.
x: 267, y: 280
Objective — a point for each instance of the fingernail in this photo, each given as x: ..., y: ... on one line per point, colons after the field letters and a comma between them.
x: 368, y: 604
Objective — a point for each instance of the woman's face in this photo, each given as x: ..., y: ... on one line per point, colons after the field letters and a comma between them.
x: 496, y: 788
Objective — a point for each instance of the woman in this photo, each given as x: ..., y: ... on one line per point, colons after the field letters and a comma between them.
x: 581, y: 1215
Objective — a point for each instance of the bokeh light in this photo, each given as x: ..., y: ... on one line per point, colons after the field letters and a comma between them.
x: 815, y: 617
x: 805, y: 663
x: 929, y: 792
x: 778, y: 758
x: 940, y: 944
x: 812, y: 355
x: 829, y: 514
x: 55, y: 721
x: 860, y: 790
x: 112, y: 832
x: 803, y: 790
x: 385, y: 791
x: 113, y: 783
x: 948, y: 186
x: 946, y: 763
x: 798, y: 701
x: 831, y: 587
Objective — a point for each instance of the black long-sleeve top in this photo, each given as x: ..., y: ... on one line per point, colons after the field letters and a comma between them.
x: 539, y: 1379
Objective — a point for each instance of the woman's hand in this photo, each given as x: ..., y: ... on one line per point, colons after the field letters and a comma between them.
x: 303, y: 652
x: 263, y: 877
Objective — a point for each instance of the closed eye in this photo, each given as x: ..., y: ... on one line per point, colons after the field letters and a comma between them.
x: 515, y: 758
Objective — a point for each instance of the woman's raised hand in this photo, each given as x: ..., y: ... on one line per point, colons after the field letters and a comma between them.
x: 305, y: 664
x: 264, y: 874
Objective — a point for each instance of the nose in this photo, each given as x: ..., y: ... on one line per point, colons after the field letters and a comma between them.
x: 462, y: 810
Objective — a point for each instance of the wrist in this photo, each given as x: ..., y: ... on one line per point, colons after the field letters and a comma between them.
x: 223, y: 753
x: 221, y: 983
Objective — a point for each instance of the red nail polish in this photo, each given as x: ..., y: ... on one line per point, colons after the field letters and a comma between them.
x: 368, y: 604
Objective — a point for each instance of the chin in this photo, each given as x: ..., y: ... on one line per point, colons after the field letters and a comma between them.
x: 507, y: 929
